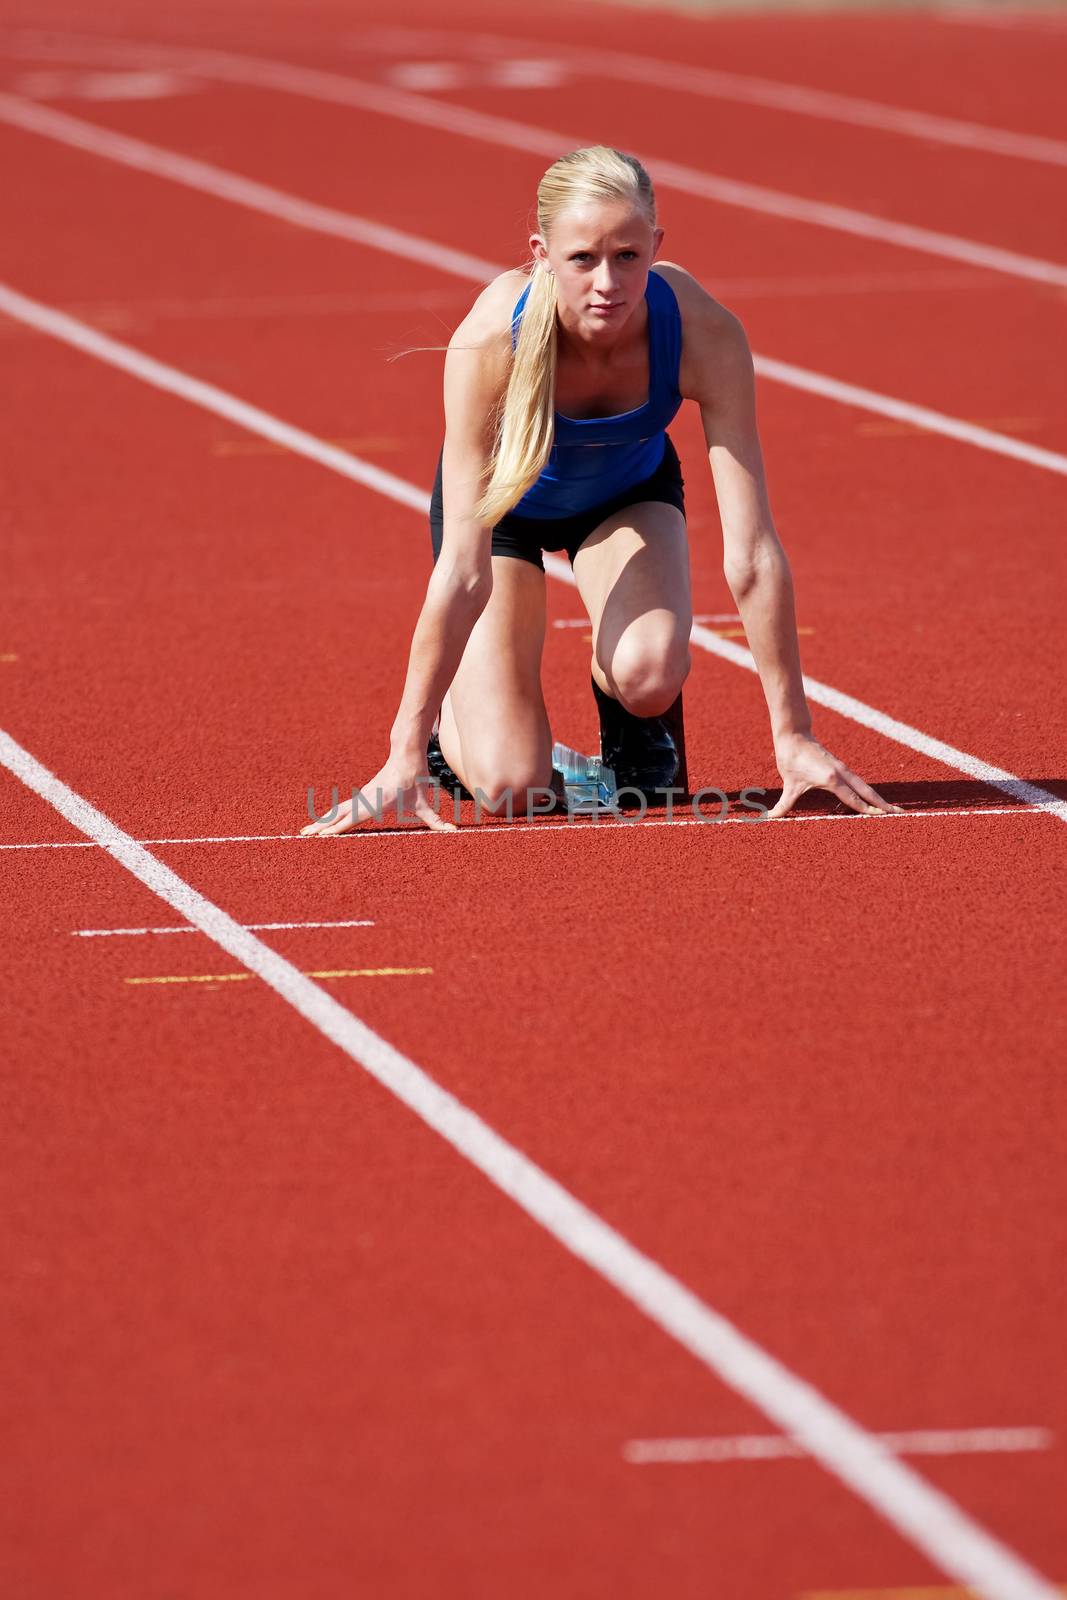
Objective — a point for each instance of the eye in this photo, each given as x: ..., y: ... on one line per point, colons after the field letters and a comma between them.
x: 584, y: 255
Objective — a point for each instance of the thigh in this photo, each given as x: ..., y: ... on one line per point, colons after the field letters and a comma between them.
x: 633, y: 576
x: 494, y: 725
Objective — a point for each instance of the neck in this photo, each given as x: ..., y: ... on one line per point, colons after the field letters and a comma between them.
x: 589, y: 343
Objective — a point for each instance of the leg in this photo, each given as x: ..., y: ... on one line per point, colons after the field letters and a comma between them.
x: 494, y: 730
x: 633, y: 576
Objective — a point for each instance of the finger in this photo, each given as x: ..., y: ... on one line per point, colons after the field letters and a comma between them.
x: 340, y: 823
x: 426, y: 797
x: 434, y: 822
x: 352, y: 814
x: 844, y: 791
x: 426, y: 804
x: 871, y: 795
x: 790, y: 795
x: 326, y: 824
x: 366, y: 807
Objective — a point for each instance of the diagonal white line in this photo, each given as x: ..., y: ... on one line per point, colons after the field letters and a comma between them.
x: 237, y: 190
x: 69, y: 331
x: 847, y: 705
x: 486, y: 128
x: 822, y: 103
x: 851, y: 394
x: 255, y: 196
x: 710, y: 82
x: 741, y: 88
x: 922, y: 1514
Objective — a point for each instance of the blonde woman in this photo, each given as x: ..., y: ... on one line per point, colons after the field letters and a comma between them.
x: 558, y: 388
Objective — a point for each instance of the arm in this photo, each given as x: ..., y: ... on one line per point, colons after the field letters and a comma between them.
x: 756, y: 566
x: 455, y: 599
x: 462, y: 578
x: 476, y: 367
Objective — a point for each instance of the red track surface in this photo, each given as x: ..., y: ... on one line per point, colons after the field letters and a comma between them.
x: 274, y: 1338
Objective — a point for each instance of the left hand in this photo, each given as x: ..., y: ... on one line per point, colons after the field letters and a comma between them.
x: 805, y: 764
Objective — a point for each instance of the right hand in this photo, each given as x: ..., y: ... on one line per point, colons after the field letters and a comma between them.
x: 806, y: 764
x: 399, y: 791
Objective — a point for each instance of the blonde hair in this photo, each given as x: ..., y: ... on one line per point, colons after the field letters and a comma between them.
x: 525, y: 417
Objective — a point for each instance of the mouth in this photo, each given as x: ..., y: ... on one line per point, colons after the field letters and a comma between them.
x: 613, y: 306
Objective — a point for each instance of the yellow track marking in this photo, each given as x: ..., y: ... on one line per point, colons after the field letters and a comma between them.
x: 241, y: 977
x: 369, y: 972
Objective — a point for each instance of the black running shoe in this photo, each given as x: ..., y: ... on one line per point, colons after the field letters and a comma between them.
x: 438, y: 768
x: 645, y: 753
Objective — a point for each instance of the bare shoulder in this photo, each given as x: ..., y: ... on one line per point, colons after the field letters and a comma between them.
x: 478, y: 362
x: 488, y: 321
x: 694, y: 301
x: 714, y: 343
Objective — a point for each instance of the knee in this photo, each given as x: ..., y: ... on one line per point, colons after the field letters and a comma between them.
x: 504, y: 783
x: 648, y: 678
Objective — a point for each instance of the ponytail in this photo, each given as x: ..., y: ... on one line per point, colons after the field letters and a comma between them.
x: 525, y: 420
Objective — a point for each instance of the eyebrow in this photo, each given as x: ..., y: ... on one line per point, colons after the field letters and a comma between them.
x: 589, y: 248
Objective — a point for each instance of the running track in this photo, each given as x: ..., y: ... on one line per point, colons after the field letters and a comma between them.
x: 273, y: 1336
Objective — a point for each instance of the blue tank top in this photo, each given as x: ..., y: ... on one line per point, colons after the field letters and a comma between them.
x: 594, y: 458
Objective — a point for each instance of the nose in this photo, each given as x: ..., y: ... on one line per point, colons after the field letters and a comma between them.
x: 604, y: 282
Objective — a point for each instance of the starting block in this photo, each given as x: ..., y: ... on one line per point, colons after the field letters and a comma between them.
x: 644, y: 745
x: 588, y: 785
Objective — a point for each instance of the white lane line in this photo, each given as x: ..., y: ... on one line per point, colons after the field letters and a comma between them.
x: 111, y: 351
x: 851, y: 394
x: 741, y: 88
x: 776, y: 1447
x: 231, y: 187
x: 498, y: 826
x: 708, y: 82
x: 901, y: 732
x: 120, y: 313
x: 238, y: 190
x: 921, y: 1513
x: 66, y: 329
x: 102, y: 933
x: 485, y: 128
x: 821, y: 103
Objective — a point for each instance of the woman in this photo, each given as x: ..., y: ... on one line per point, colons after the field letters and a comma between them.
x: 558, y: 388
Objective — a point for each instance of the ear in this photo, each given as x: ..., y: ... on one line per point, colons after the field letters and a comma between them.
x: 657, y: 240
x: 539, y: 249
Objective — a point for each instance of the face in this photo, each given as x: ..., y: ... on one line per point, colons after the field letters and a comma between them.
x: 599, y: 255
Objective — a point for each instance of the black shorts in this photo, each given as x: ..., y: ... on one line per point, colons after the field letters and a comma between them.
x: 526, y: 537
